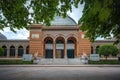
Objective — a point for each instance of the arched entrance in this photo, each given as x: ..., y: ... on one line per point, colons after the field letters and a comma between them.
x: 27, y: 50
x: 71, y: 44
x: 12, y: 51
x: 97, y: 48
x: 5, y: 50
x: 48, y: 47
x: 20, y: 51
x: 60, y: 47
x: 91, y: 49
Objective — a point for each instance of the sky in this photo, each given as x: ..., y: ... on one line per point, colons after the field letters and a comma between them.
x: 24, y: 34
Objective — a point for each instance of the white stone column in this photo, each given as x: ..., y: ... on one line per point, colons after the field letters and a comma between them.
x: 16, y: 52
x: 54, y: 49
x: 65, y: 50
x: 24, y: 51
x: 8, y: 52
x: 94, y: 49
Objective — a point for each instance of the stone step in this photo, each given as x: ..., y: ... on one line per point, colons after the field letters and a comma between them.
x: 75, y: 61
x: 57, y: 61
x: 45, y: 61
x: 60, y: 61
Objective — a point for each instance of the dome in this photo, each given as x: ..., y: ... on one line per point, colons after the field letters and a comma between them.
x: 2, y: 37
x: 58, y: 20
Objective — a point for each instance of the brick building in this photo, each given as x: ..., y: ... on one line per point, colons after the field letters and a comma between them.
x: 63, y: 39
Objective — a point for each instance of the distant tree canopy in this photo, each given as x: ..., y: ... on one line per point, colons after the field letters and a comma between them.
x: 20, y: 13
x: 108, y: 49
x: 100, y: 17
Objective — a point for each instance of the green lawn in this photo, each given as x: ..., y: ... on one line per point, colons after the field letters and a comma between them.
x: 4, y: 62
x: 104, y: 62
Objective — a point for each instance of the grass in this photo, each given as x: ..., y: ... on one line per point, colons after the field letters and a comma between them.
x: 9, y: 62
x: 104, y: 62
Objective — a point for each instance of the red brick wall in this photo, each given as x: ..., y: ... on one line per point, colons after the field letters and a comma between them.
x: 36, y: 44
x: 84, y: 45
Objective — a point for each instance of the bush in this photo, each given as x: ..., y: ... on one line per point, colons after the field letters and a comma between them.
x: 15, y: 62
x: 119, y: 53
x: 1, y: 51
x: 104, y: 62
x: 108, y: 49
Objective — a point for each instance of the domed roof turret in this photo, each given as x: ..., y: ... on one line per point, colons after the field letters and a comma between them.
x: 59, y: 20
x: 2, y: 37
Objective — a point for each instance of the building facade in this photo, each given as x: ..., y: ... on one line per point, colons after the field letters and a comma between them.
x: 63, y: 39
x: 14, y: 48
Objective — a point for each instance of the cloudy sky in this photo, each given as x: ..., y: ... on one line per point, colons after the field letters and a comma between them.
x: 24, y: 34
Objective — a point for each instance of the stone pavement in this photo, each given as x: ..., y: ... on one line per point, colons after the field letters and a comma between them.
x: 81, y: 65
x: 36, y: 72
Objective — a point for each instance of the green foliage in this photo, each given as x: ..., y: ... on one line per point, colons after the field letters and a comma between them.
x: 13, y: 14
x: 20, y: 13
x: 108, y: 49
x: 104, y: 62
x: 101, y: 18
x: 119, y: 51
x: 1, y: 51
x: 15, y: 62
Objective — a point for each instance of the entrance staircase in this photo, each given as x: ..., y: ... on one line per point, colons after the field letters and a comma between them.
x: 58, y: 61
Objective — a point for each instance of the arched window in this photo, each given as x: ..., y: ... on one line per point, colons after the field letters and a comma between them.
x: 27, y: 50
x: 20, y: 51
x: 91, y: 50
x: 97, y: 48
x: 12, y: 51
x: 5, y: 50
x: 48, y: 47
x: 71, y: 43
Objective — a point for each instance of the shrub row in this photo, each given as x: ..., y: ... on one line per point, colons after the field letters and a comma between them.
x: 104, y: 62
x: 2, y: 62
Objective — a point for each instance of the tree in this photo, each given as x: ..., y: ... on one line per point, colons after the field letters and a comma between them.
x: 1, y: 51
x: 101, y: 18
x: 21, y: 13
x: 108, y: 49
